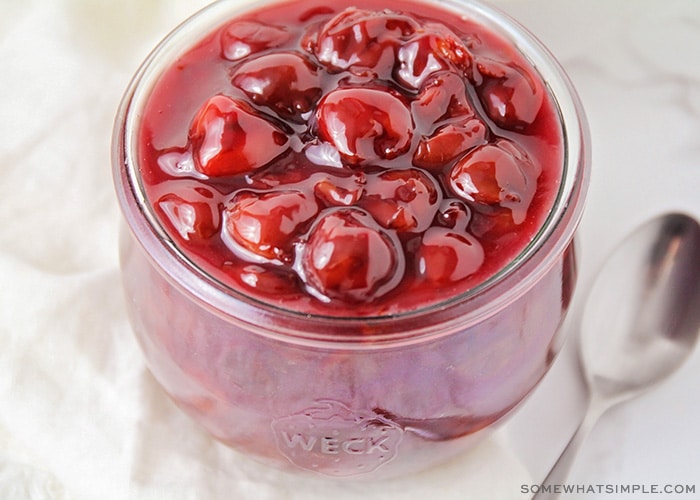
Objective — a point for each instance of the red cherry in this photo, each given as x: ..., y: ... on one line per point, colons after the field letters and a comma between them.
x: 265, y: 280
x: 177, y: 162
x: 287, y: 177
x: 443, y: 97
x: 285, y: 82
x: 403, y: 200
x: 348, y: 256
x: 340, y: 191
x: 454, y: 214
x: 229, y: 138
x: 510, y: 95
x: 264, y: 225
x: 242, y: 38
x: 365, y: 124
x: 448, y: 142
x: 432, y: 51
x: 449, y: 46
x: 361, y: 41
x: 494, y: 226
x: 446, y: 256
x: 417, y: 60
x: 498, y: 174
x: 193, y: 219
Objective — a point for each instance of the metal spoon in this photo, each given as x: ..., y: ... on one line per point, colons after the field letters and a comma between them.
x: 640, y: 322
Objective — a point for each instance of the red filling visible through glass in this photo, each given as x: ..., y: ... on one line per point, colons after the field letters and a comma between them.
x: 346, y: 161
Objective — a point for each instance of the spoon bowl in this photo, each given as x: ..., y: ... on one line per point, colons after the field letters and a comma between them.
x: 642, y: 315
x: 640, y: 322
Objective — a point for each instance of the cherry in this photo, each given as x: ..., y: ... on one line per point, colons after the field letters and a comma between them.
x: 498, y: 174
x: 286, y: 177
x: 264, y: 225
x: 441, y: 98
x: 446, y: 256
x: 365, y: 124
x: 347, y: 256
x: 177, y: 162
x: 192, y: 219
x: 417, y: 61
x: 285, y: 82
x: 448, y: 45
x: 362, y: 41
x: 271, y: 282
x: 494, y: 226
x: 454, y: 214
x: 242, y: 38
x: 340, y: 191
x: 448, y: 142
x: 403, y: 200
x: 511, y: 96
x: 229, y: 138
x: 428, y: 53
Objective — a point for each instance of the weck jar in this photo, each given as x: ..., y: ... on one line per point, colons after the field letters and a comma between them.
x: 349, y: 241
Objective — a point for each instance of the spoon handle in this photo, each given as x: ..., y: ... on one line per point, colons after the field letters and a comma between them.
x: 560, y: 470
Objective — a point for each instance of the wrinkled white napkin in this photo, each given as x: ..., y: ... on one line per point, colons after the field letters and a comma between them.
x: 80, y: 416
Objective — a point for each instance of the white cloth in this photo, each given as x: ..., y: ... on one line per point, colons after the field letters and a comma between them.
x: 80, y: 416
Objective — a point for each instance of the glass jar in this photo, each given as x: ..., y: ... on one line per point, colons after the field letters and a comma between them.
x: 362, y: 397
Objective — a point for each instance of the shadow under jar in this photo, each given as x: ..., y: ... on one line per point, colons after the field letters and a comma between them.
x: 349, y: 239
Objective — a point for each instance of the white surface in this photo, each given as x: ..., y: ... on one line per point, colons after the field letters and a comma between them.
x: 80, y: 417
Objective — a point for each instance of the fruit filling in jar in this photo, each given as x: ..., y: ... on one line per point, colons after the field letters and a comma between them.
x: 350, y: 224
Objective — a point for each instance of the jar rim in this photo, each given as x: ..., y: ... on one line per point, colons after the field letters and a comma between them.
x: 482, y: 300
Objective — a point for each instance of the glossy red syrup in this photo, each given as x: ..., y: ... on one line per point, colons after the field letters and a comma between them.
x: 348, y: 161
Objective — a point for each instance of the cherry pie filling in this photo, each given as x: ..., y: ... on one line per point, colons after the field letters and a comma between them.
x: 348, y: 161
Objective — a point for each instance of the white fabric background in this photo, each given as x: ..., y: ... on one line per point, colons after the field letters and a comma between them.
x: 81, y: 418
